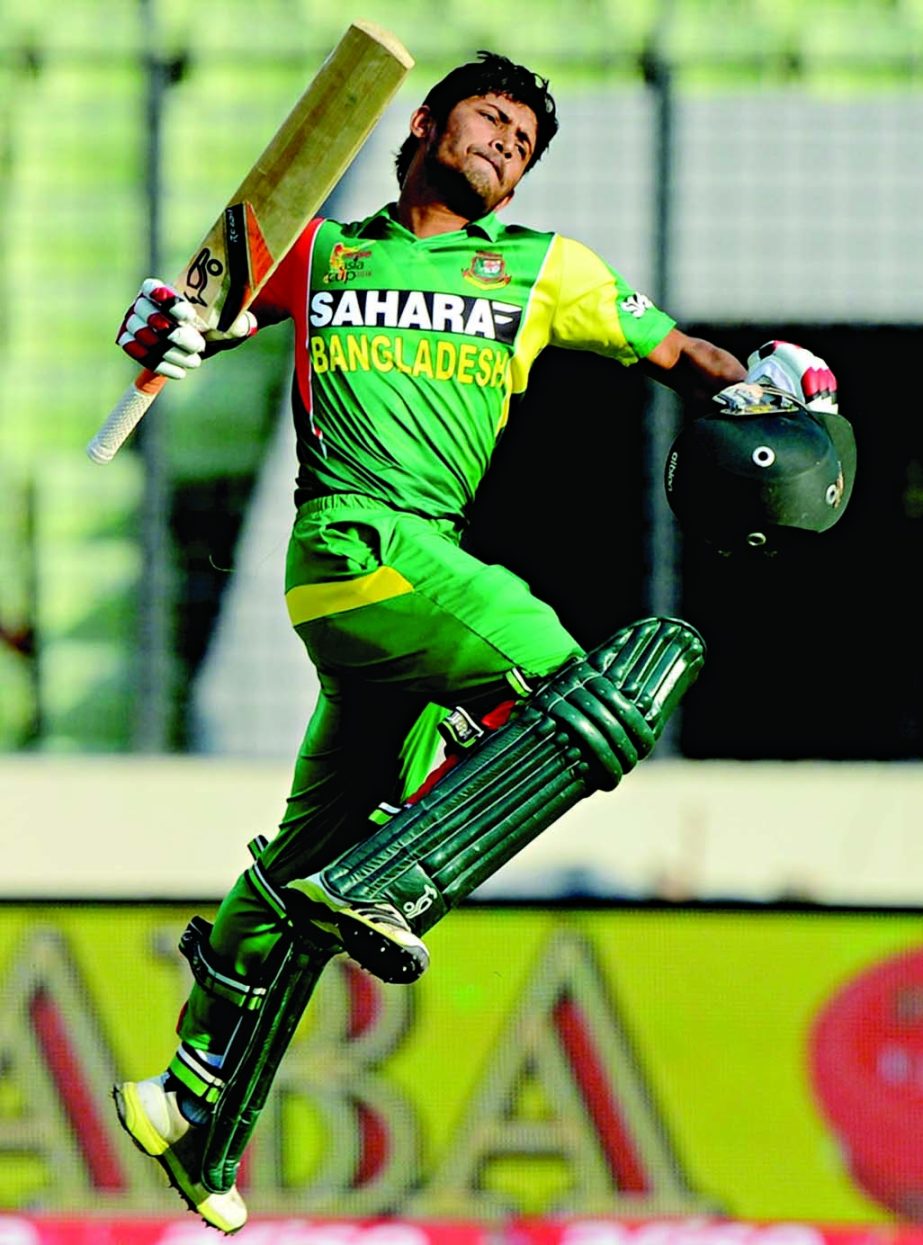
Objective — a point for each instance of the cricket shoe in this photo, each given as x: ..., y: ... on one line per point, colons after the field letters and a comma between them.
x: 375, y: 935
x: 151, y: 1117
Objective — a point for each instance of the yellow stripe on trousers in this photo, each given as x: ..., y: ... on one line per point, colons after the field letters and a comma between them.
x: 308, y: 601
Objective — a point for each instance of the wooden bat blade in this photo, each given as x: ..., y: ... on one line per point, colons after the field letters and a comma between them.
x: 300, y: 167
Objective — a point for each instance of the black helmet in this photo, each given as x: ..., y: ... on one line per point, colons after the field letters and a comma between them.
x: 747, y: 480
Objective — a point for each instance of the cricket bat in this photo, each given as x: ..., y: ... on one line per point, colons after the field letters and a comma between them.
x: 308, y: 155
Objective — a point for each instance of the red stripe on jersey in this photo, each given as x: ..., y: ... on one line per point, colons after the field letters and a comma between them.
x: 306, y: 388
x: 287, y: 294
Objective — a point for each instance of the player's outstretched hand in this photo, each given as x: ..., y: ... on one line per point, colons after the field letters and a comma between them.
x: 160, y: 331
x: 797, y: 371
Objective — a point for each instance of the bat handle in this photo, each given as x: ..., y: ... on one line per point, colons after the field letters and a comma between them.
x: 125, y: 416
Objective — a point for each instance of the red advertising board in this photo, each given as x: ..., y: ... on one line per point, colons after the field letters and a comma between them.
x: 54, y: 1230
x: 38, y: 1230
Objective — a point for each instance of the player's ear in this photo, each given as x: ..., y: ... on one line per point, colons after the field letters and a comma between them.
x: 422, y: 122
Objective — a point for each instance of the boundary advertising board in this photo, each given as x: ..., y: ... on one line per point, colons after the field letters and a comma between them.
x: 648, y: 1063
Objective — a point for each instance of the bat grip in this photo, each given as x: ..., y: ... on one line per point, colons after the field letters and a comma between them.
x: 125, y: 416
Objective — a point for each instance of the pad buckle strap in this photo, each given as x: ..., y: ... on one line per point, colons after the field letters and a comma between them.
x: 383, y: 813
x: 518, y: 682
x: 460, y: 729
x: 193, y: 944
x: 257, y: 845
x: 204, y: 1079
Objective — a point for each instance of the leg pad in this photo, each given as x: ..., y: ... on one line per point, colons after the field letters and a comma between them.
x: 579, y: 733
x: 270, y: 1010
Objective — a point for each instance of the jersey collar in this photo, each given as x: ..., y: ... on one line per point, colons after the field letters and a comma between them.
x: 385, y: 220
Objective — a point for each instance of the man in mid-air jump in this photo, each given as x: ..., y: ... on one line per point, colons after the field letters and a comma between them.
x: 413, y: 329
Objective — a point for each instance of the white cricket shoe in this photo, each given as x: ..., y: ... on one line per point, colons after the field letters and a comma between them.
x: 151, y: 1117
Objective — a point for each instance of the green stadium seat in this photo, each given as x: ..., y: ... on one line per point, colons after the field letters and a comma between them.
x: 88, y: 567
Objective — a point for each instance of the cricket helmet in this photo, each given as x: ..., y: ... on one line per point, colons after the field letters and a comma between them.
x: 755, y: 478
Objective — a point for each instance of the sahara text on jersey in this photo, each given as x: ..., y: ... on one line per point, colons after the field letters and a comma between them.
x: 426, y: 310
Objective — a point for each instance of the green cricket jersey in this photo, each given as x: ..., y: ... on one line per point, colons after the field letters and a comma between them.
x: 408, y: 350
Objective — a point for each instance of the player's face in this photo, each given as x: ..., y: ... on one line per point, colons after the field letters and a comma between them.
x: 487, y: 142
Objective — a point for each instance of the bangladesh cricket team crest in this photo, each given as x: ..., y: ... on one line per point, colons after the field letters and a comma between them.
x: 345, y: 264
x: 488, y: 270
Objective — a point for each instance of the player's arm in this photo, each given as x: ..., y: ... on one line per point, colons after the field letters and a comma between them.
x: 597, y: 309
x: 692, y: 366
x: 699, y: 370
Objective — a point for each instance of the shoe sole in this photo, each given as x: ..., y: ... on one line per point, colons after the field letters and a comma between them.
x: 391, y: 953
x: 146, y: 1138
x: 378, y: 953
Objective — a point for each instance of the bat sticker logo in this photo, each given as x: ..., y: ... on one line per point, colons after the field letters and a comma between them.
x: 204, y: 266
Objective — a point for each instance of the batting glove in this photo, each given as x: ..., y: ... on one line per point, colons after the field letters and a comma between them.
x: 160, y: 331
x: 796, y: 371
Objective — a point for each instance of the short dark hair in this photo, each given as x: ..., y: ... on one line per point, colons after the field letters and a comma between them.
x: 490, y: 74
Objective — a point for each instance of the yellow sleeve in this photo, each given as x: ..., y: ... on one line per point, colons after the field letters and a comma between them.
x: 579, y: 303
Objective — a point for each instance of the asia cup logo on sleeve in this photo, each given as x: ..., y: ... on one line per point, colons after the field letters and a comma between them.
x: 866, y: 1065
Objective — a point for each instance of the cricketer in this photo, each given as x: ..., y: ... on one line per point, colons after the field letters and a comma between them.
x: 413, y: 329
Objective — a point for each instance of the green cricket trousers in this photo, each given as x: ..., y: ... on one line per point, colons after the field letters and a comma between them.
x: 402, y: 625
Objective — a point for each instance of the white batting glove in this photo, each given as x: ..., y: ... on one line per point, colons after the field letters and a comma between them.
x: 786, y: 366
x: 160, y: 331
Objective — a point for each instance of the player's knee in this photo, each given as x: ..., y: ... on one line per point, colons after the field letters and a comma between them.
x: 619, y: 716
x: 611, y: 732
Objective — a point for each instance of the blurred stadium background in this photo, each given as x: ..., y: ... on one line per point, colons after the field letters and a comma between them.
x: 756, y: 166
